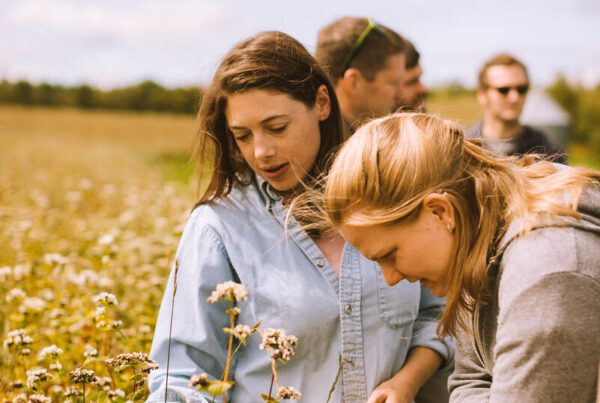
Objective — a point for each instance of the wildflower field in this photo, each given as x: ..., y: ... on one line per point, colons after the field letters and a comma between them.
x: 91, y: 208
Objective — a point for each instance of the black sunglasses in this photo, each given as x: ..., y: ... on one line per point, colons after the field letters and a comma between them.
x: 521, y: 89
x: 361, y: 39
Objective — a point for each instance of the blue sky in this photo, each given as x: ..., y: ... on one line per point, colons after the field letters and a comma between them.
x: 111, y: 43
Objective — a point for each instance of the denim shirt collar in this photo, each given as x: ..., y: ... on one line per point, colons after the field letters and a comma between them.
x: 269, y: 194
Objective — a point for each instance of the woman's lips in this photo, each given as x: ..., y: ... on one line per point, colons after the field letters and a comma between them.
x: 275, y: 171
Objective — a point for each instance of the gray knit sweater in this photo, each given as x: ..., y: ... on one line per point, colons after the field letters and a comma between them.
x: 538, y: 338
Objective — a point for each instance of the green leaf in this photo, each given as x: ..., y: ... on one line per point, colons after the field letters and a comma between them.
x: 102, y: 396
x: 136, y: 378
x: 217, y: 388
x: 268, y: 399
x: 137, y: 395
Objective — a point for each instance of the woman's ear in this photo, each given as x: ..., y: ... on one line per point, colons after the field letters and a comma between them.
x: 439, y: 205
x: 323, y: 102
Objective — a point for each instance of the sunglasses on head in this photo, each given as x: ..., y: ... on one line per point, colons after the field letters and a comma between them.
x: 361, y: 39
x: 521, y: 89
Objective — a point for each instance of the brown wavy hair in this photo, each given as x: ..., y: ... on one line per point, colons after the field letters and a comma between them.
x: 269, y: 61
x: 383, y: 173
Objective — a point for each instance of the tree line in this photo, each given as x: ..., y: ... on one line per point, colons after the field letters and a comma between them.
x: 583, y: 106
x: 145, y: 96
x: 582, y: 103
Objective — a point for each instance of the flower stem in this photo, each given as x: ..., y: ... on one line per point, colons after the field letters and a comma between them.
x: 171, y: 327
x: 229, y: 348
x: 271, y: 387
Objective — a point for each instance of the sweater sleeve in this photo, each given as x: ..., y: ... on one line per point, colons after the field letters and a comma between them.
x: 548, y: 342
x: 470, y: 381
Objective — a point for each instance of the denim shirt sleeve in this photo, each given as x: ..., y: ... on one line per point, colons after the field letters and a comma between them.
x: 197, y: 344
x: 424, y: 333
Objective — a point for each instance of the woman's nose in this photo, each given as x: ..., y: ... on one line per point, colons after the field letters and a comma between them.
x: 391, y: 275
x: 264, y: 147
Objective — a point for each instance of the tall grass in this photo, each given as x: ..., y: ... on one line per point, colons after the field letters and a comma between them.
x: 86, y: 207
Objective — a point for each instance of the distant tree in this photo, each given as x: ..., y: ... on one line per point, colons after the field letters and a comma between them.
x: 84, y: 96
x: 45, y: 94
x: 146, y: 95
x: 23, y: 93
x: 583, y: 106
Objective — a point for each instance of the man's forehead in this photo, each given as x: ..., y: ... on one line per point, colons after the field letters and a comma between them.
x: 506, y: 75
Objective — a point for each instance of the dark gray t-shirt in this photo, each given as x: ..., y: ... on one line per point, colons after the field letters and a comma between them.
x: 528, y: 141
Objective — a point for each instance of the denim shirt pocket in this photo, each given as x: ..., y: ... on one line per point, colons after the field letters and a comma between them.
x: 398, y: 304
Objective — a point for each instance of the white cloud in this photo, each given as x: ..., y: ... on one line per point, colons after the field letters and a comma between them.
x: 131, y: 22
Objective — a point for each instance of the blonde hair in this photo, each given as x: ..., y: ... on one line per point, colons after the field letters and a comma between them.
x: 383, y: 173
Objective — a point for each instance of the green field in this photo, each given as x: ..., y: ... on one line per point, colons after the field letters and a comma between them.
x: 94, y: 202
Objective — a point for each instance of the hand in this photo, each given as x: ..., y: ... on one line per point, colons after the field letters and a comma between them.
x: 391, y: 392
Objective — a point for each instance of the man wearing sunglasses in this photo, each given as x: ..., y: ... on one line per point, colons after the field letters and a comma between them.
x: 503, y: 86
x: 367, y: 64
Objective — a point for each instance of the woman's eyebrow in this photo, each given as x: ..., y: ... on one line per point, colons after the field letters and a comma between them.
x: 270, y: 118
x: 266, y: 120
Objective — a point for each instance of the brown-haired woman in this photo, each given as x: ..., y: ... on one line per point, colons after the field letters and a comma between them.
x: 514, y: 245
x: 267, y: 125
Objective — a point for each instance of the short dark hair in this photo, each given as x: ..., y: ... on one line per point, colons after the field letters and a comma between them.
x: 270, y: 61
x: 412, y: 55
x: 335, y: 42
x: 503, y: 59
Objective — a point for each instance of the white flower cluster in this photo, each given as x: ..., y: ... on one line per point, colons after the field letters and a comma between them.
x: 72, y: 391
x: 132, y: 360
x: 55, y: 259
x: 277, y: 343
x: 32, y: 305
x: 17, y: 339
x: 199, y: 380
x: 90, y: 352
x: 113, y: 394
x: 106, y: 239
x: 15, y: 295
x: 37, y: 376
x: 230, y: 291
x: 242, y: 331
x: 5, y: 272
x: 39, y: 399
x: 105, y: 298
x: 82, y: 375
x: 288, y: 393
x: 50, y: 352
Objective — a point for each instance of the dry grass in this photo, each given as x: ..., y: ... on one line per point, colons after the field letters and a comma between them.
x: 464, y: 109
x: 86, y: 207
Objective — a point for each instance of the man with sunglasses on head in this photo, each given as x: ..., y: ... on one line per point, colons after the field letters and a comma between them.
x: 367, y: 63
x: 503, y: 86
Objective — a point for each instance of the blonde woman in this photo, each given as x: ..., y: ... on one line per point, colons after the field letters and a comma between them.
x: 514, y: 245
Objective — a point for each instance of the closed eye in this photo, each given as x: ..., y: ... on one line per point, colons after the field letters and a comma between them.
x: 388, y: 257
x: 241, y: 137
x: 278, y: 129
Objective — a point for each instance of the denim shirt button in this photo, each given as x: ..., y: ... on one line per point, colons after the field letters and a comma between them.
x: 348, y: 309
x: 320, y: 263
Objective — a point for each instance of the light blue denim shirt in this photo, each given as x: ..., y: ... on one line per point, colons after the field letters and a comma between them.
x: 291, y: 285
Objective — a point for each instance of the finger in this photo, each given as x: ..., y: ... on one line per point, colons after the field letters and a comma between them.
x: 377, y: 397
